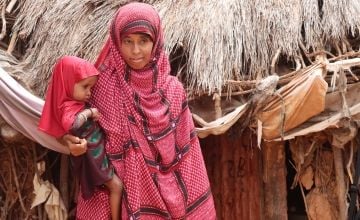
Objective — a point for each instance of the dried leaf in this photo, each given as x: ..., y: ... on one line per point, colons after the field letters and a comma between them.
x: 319, y: 207
x: 307, y: 178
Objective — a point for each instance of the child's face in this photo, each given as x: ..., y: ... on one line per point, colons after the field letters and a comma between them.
x: 82, y: 89
x: 136, y: 50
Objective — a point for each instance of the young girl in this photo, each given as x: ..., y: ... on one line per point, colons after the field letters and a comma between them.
x: 66, y: 111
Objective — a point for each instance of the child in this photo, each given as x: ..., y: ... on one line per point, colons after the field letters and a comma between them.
x: 66, y: 111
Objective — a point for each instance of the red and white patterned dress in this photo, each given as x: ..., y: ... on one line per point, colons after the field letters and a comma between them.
x: 150, y: 137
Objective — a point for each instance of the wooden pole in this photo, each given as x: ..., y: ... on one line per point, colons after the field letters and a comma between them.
x: 217, y: 105
x: 10, y: 6
x: 274, y: 176
x: 64, y: 177
x: 340, y: 182
x: 12, y: 43
x: 3, y: 20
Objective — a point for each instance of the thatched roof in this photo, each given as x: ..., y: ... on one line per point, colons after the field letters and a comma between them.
x: 210, y: 42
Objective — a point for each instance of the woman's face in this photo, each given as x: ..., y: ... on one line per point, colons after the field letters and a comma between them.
x: 136, y: 50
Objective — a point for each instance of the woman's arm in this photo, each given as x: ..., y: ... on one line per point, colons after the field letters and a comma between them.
x: 77, y: 146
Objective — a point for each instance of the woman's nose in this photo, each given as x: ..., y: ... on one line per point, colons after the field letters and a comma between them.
x: 136, y: 49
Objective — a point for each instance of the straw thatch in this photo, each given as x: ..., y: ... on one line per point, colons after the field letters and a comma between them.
x: 211, y: 42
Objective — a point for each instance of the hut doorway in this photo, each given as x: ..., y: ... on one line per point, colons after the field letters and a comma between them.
x: 295, y: 200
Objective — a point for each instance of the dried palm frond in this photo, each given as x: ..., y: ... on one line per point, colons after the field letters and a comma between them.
x: 219, y: 40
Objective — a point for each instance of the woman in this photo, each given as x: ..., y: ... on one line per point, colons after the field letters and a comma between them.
x: 151, y: 140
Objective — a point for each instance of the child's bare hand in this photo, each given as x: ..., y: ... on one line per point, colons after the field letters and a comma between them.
x: 95, y: 114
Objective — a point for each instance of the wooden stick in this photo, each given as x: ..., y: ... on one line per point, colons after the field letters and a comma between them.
x: 12, y: 43
x: 348, y: 164
x: 239, y: 93
x: 298, y: 64
x: 274, y: 60
x: 321, y: 52
x: 10, y: 6
x: 217, y: 105
x: 3, y: 29
x: 344, y: 64
x: 340, y: 182
x: 304, y: 198
x: 16, y: 180
x: 274, y: 180
x: 346, y: 55
x: 302, y: 46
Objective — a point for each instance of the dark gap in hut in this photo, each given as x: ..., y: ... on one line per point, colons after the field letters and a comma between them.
x: 21, y: 45
x: 354, y: 39
x: 295, y: 201
x: 52, y: 173
x: 53, y: 165
x: 320, y: 5
x: 178, y: 61
x: 285, y: 65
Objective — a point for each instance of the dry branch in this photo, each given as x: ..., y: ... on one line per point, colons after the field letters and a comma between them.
x: 3, y: 20
x: 10, y: 6
x: 12, y: 43
x: 340, y: 180
x: 274, y: 61
x: 18, y: 189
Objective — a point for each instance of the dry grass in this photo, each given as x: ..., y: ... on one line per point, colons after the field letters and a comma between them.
x: 81, y: 31
x: 228, y: 40
x: 221, y: 40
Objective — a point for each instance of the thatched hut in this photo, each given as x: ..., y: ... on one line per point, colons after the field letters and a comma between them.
x: 272, y: 84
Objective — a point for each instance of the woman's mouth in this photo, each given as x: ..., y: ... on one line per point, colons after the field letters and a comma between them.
x: 137, y: 60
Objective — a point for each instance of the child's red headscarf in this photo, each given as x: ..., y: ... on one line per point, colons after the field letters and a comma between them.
x: 60, y: 108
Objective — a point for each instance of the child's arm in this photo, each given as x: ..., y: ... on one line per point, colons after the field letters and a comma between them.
x: 82, y: 117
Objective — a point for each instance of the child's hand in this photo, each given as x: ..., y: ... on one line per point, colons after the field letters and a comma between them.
x: 95, y: 114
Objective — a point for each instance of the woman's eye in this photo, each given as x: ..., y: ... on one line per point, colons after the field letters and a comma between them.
x: 127, y: 41
x: 144, y: 40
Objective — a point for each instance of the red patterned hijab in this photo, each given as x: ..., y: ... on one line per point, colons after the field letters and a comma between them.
x: 119, y: 86
x: 60, y: 109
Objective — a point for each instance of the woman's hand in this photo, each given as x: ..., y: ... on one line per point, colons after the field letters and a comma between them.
x: 77, y: 146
